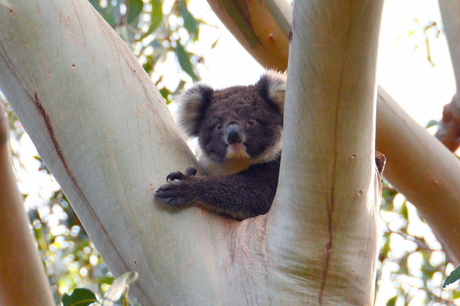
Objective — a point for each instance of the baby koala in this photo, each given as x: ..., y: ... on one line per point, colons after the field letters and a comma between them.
x: 239, y: 132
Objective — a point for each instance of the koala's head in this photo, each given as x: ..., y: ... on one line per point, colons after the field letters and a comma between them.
x: 237, y: 126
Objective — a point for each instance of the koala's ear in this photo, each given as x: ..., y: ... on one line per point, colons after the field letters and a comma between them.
x: 272, y: 85
x: 192, y: 105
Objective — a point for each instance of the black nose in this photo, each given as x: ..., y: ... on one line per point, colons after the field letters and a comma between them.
x: 233, y: 133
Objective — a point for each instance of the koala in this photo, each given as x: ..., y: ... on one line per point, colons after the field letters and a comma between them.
x: 240, y: 131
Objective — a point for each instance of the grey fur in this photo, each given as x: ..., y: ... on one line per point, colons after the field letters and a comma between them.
x: 190, y: 104
x: 244, y: 167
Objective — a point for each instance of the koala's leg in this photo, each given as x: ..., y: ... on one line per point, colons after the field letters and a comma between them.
x: 242, y: 195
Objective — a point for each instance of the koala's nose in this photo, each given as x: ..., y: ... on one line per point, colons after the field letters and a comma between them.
x: 233, y: 133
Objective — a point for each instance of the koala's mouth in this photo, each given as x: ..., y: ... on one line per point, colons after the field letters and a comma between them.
x: 237, y: 150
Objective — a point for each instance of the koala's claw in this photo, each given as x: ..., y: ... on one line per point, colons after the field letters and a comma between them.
x: 176, y: 201
x: 170, y: 190
x: 176, y: 193
x: 175, y: 176
x: 190, y: 171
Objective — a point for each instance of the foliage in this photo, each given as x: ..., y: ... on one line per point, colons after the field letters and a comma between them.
x: 154, y: 30
x: 453, y: 277
x: 79, y: 296
x: 116, y: 295
x: 412, y: 265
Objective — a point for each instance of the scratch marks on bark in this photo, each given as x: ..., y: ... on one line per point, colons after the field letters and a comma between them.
x: 332, y: 200
x: 330, y: 210
x: 50, y: 129
x: 79, y: 20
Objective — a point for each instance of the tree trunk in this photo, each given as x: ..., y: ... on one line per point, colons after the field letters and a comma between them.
x: 326, y: 204
x: 105, y: 133
x: 417, y: 164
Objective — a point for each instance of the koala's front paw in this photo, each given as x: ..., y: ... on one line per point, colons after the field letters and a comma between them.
x: 190, y: 171
x: 178, y: 190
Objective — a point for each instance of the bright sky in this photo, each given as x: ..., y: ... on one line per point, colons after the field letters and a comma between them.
x: 421, y: 89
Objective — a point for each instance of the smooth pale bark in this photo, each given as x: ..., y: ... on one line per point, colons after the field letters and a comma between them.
x: 449, y: 127
x: 446, y: 204
x: 23, y: 280
x: 433, y: 183
x: 327, y: 200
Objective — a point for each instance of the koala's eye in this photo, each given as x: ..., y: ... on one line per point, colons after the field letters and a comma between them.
x: 252, y: 121
x: 219, y: 126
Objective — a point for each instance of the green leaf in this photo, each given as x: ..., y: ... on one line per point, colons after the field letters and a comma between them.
x: 79, y: 297
x: 386, y: 246
x: 404, y: 211
x: 214, y: 44
x: 454, y: 276
x: 157, y: 17
x: 134, y: 9
x: 180, y: 87
x: 432, y: 123
x: 165, y: 92
x: 189, y: 21
x: 110, y: 19
x: 392, y: 301
x: 106, y: 280
x: 184, y: 61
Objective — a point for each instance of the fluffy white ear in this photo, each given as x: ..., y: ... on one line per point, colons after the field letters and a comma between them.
x: 192, y: 104
x: 274, y: 84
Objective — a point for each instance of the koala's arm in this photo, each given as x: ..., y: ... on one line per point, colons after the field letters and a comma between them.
x: 241, y: 195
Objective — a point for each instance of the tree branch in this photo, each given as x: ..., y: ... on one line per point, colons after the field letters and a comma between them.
x: 422, y: 169
x: 23, y: 277
x: 262, y: 27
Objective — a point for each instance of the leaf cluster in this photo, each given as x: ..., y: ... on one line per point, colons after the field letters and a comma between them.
x: 154, y: 29
x: 117, y: 295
